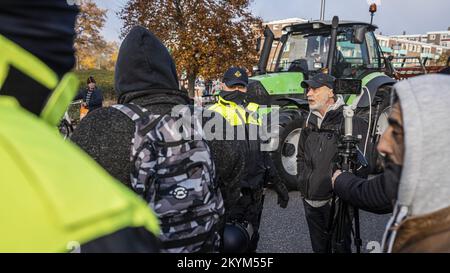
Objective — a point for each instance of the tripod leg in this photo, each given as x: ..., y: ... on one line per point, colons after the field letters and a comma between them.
x: 331, y: 224
x: 358, y: 241
x: 341, y: 229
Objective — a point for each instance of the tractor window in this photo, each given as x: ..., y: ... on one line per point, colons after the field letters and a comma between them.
x: 352, y: 60
x: 308, y: 52
x: 304, y: 52
x: 349, y: 52
x: 372, y: 46
x: 350, y: 57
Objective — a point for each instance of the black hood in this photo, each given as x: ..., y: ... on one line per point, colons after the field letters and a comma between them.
x: 45, y: 28
x: 144, y: 64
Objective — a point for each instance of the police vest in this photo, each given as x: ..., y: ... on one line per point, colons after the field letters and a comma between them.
x: 236, y: 114
x: 52, y: 195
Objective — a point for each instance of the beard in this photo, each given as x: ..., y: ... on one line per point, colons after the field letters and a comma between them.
x: 392, y: 175
x: 316, y: 106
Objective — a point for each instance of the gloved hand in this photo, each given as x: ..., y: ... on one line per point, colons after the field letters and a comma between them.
x: 283, y: 194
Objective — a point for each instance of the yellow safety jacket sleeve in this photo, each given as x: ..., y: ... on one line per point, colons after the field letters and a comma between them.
x: 52, y: 194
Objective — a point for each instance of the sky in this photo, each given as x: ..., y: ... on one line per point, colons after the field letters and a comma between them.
x: 393, y: 16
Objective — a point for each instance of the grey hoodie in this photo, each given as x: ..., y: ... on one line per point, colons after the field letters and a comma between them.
x: 425, y: 181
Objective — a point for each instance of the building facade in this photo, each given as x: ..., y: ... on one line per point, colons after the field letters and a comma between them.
x: 414, y: 46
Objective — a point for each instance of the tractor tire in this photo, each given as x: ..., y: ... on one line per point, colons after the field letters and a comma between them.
x: 376, y: 159
x: 284, y: 158
x: 382, y: 123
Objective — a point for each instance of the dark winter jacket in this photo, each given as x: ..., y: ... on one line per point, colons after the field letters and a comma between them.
x: 317, y: 152
x: 230, y: 157
x: 376, y: 194
x: 94, y: 99
x: 145, y: 75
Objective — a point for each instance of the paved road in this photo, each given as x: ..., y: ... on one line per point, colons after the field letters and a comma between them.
x: 286, y: 231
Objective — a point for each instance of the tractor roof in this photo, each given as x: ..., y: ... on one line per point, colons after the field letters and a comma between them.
x: 323, y: 25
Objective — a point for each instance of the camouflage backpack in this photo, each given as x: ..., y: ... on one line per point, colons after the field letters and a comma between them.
x: 174, y: 172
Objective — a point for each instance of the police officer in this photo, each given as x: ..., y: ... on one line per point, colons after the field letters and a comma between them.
x: 48, y: 204
x: 244, y: 217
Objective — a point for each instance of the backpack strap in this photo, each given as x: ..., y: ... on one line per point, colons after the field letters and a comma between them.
x: 133, y: 111
x: 140, y: 114
x: 144, y: 122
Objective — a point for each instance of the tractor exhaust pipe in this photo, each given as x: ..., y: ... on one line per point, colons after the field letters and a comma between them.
x: 268, y: 41
x: 332, y: 50
x: 322, y: 10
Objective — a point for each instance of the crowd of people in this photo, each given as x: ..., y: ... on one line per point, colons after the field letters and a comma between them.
x: 127, y: 181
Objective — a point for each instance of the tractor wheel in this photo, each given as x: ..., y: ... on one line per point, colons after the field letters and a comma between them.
x: 376, y: 160
x: 285, y: 156
x: 382, y: 123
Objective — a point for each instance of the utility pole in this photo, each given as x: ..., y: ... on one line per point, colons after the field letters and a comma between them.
x: 322, y: 10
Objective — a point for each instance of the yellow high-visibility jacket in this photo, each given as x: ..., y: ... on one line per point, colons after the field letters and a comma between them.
x: 236, y: 114
x: 53, y: 196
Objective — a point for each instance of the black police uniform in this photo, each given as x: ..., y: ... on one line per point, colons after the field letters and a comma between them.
x: 245, y: 216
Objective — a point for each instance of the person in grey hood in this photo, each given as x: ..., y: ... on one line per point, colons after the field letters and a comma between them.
x: 146, y: 75
x: 417, y: 186
x: 421, y: 219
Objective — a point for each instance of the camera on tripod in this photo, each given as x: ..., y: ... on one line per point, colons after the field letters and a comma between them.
x: 349, y: 159
x: 350, y: 156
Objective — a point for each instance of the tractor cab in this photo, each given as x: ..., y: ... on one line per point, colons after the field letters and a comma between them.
x: 304, y: 49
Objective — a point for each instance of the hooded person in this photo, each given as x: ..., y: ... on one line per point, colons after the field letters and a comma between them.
x: 47, y: 204
x: 421, y: 218
x: 145, y: 75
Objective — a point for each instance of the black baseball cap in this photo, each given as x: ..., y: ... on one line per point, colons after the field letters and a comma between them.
x: 235, y: 76
x: 319, y: 80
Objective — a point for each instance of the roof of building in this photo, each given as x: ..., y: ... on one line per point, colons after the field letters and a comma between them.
x: 439, y: 32
x: 408, y: 35
x: 419, y: 43
x: 382, y: 36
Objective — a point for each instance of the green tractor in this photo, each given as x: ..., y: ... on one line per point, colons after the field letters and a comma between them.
x: 349, y: 50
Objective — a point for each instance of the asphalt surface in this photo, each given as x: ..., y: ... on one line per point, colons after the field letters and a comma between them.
x: 286, y: 230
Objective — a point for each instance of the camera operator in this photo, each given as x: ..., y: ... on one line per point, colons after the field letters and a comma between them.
x: 318, y: 147
x: 416, y: 177
x: 376, y: 194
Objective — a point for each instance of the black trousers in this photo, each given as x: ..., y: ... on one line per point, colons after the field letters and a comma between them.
x: 249, y: 209
x: 318, y: 223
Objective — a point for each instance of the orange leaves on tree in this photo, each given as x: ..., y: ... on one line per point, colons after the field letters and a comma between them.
x: 205, y: 37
